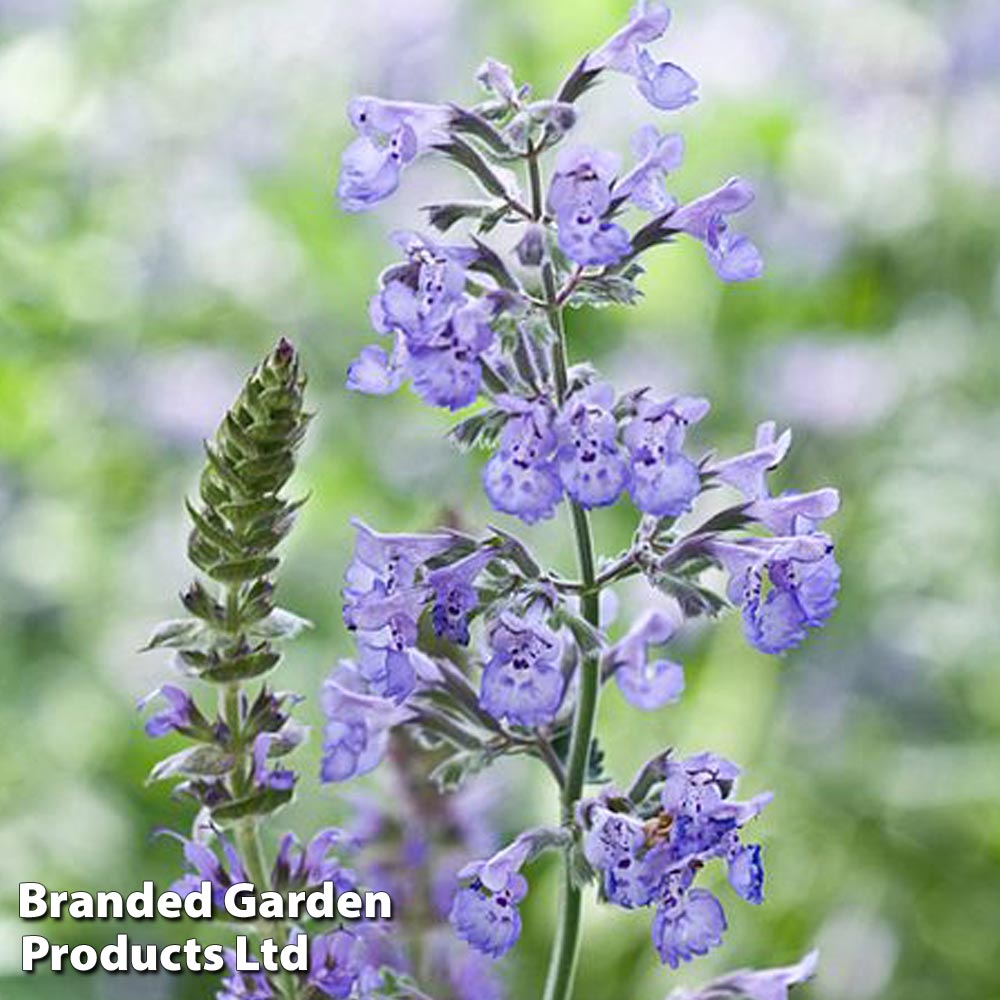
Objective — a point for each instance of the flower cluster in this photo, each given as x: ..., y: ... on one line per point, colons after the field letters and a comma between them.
x: 468, y: 642
x: 649, y: 852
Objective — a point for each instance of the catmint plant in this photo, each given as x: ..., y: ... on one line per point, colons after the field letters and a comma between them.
x: 468, y: 649
x: 467, y: 640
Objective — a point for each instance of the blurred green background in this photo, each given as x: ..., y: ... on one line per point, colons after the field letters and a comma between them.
x: 165, y: 211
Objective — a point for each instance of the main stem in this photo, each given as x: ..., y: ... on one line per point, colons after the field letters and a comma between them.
x: 246, y: 833
x: 562, y: 966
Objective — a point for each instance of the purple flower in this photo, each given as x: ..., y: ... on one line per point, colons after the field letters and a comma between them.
x: 521, y: 478
x: 441, y: 332
x: 795, y: 513
x: 580, y: 198
x: 375, y: 373
x: 592, y: 466
x: 296, y: 867
x: 418, y: 298
x: 484, y: 912
x: 748, y: 472
x: 656, y: 156
x: 696, y: 795
x: 497, y: 78
x: 522, y: 681
x: 243, y: 985
x: 665, y: 85
x: 687, y: 924
x: 664, y: 481
x: 382, y: 602
x: 336, y: 963
x: 734, y: 258
x: 276, y: 779
x: 455, y: 596
x: 181, y: 714
x: 746, y: 872
x: 356, y: 731
x: 615, y: 844
x: 208, y: 868
x: 784, y: 585
x: 446, y: 372
x: 757, y: 984
x: 391, y: 134
x: 648, y: 684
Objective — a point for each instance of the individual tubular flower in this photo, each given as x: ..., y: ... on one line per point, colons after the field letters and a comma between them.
x: 787, y: 584
x: 376, y: 373
x: 391, y: 134
x: 664, y: 85
x: 447, y: 372
x: 784, y: 585
x: 521, y: 478
x: 181, y: 715
x: 687, y: 924
x: 656, y: 155
x: 664, y: 481
x: 522, y: 681
x: 338, y: 962
x: 580, y: 199
x: 298, y: 867
x: 455, y: 596
x: 647, y: 683
x: 615, y: 844
x: 592, y: 466
x: 356, y: 731
x: 754, y: 984
x: 484, y: 912
x: 383, y: 600
x: 264, y: 776
x: 748, y: 472
x: 735, y: 258
x: 208, y: 868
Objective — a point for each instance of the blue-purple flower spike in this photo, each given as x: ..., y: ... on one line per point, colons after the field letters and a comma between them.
x: 467, y: 645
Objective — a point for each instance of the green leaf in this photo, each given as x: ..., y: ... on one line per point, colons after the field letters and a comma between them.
x: 280, y: 624
x: 605, y: 290
x: 242, y: 570
x: 481, y: 430
x: 443, y: 217
x: 262, y: 803
x: 454, y: 771
x: 241, y: 668
x: 595, y: 765
x: 693, y: 598
x: 203, y: 761
x: 466, y: 156
x: 176, y: 633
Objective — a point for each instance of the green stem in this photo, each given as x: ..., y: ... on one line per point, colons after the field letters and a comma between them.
x: 562, y: 966
x: 246, y: 833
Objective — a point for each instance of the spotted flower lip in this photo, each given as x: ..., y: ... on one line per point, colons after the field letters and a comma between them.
x: 484, y: 912
x: 664, y: 481
x: 522, y: 478
x: 522, y: 681
x: 580, y: 199
x: 391, y: 134
x: 591, y: 463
